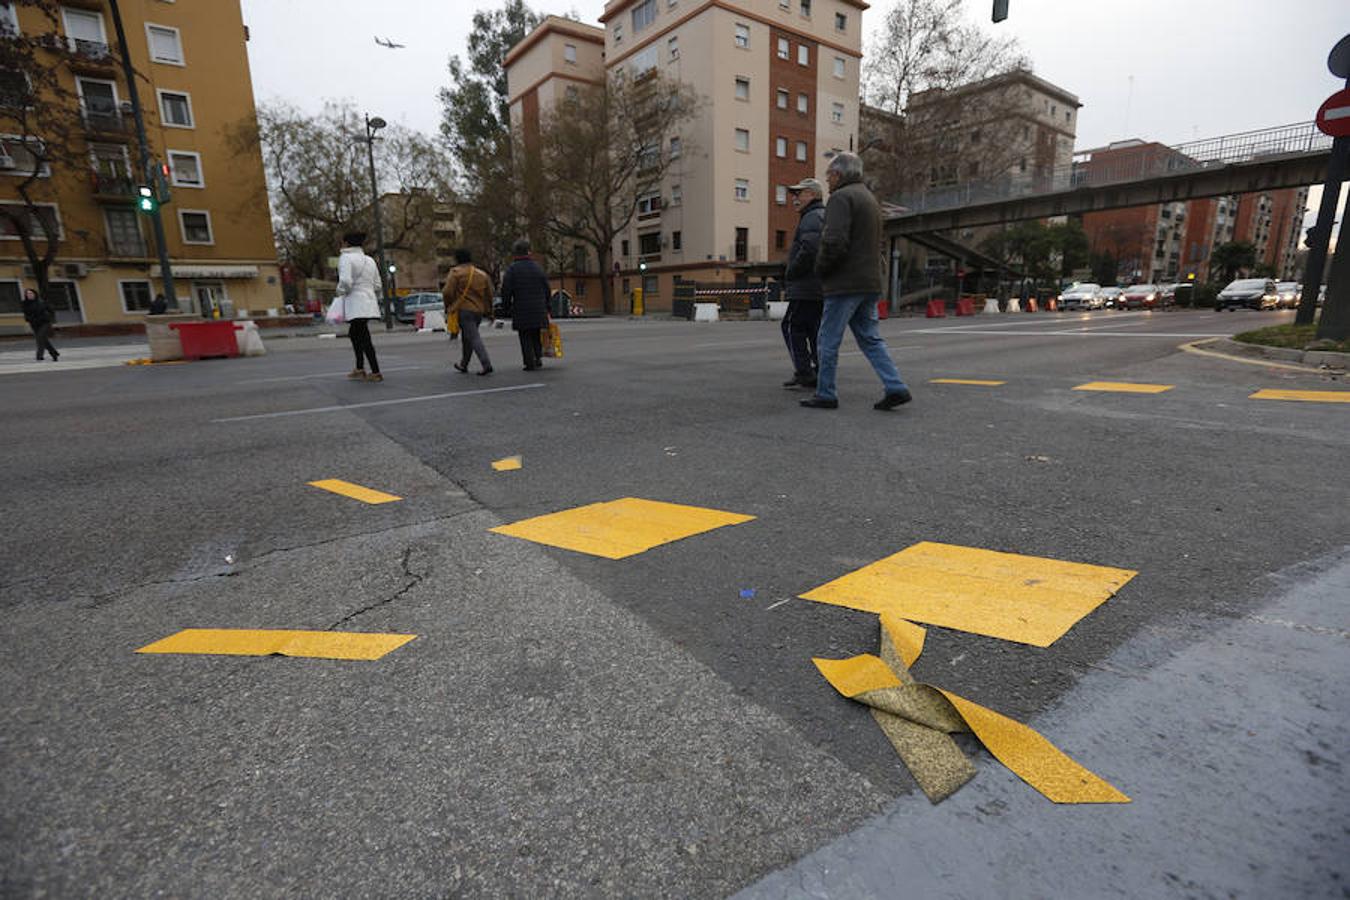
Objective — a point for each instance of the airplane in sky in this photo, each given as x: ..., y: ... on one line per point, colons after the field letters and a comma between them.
x: 385, y: 42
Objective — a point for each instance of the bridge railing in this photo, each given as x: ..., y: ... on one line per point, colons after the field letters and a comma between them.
x: 1121, y: 166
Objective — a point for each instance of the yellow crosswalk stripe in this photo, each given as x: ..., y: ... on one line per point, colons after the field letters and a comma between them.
x: 355, y: 491
x: 1124, y: 387
x: 246, y: 642
x: 973, y: 381
x: 620, y: 528
x: 510, y: 464
x: 1304, y: 396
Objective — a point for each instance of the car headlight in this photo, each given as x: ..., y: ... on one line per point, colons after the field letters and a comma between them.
x: 1151, y: 297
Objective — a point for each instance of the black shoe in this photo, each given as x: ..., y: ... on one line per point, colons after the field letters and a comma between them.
x: 792, y: 382
x: 807, y: 381
x: 530, y: 368
x: 487, y: 371
x: 891, y: 401
x: 463, y: 370
x: 819, y: 403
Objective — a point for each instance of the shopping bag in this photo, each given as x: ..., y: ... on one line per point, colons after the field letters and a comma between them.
x: 553, y: 341
x: 452, y: 323
x: 336, y: 312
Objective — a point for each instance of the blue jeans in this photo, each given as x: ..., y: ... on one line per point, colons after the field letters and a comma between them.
x: 859, y: 313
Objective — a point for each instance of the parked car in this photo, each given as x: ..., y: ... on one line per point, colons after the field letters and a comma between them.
x: 1291, y: 292
x: 1140, y: 296
x: 1110, y: 297
x: 408, y: 308
x: 1248, y: 293
x: 1081, y: 296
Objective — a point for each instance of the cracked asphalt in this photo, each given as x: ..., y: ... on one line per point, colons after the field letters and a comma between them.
x: 570, y: 726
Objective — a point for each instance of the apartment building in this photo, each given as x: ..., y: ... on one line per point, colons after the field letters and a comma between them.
x: 195, y: 89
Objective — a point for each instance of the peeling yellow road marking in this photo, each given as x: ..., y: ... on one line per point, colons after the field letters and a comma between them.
x: 355, y: 491
x: 245, y: 642
x: 510, y: 464
x: 974, y: 381
x: 1027, y: 599
x: 620, y: 528
x: 1304, y: 396
x: 1124, y: 387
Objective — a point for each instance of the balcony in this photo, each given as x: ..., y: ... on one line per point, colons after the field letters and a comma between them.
x: 113, y: 188
x: 90, y: 56
x: 106, y: 121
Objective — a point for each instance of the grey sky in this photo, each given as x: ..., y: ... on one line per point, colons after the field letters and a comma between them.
x: 1200, y: 68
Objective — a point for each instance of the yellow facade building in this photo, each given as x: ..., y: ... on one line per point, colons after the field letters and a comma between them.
x: 195, y: 90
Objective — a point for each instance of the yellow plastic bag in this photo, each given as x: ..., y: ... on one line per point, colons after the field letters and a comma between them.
x: 452, y: 323
x: 553, y: 341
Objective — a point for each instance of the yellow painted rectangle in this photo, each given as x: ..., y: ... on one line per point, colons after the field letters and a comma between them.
x: 1303, y: 396
x: 620, y: 528
x: 1027, y: 599
x: 1124, y: 387
x: 510, y: 464
x: 973, y: 381
x: 313, y: 644
x: 355, y: 491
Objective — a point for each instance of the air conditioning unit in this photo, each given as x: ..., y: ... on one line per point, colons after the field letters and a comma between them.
x: 75, y: 270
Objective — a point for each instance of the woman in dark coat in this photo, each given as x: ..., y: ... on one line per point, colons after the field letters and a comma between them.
x: 525, y: 292
x: 39, y: 316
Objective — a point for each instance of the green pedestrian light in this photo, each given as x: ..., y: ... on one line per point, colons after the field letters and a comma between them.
x: 147, y: 199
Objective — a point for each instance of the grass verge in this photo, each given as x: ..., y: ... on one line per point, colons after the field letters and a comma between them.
x: 1297, y: 337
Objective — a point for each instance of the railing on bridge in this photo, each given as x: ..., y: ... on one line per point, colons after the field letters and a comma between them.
x: 1137, y: 162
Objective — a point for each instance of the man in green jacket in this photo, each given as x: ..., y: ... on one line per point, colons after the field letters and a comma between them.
x: 849, y: 266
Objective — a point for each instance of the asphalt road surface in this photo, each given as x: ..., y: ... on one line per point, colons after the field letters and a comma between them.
x: 570, y: 725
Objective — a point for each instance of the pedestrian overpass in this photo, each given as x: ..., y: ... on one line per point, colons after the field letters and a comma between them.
x: 1269, y: 159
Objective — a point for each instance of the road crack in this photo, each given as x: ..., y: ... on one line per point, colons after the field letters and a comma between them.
x: 414, y: 579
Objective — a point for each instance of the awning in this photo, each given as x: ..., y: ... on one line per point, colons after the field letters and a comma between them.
x: 208, y: 272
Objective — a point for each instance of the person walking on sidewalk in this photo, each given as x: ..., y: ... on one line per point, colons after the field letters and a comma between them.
x: 802, y: 322
x: 849, y: 266
x: 468, y: 294
x: 38, y: 313
x: 358, y: 288
x: 525, y: 293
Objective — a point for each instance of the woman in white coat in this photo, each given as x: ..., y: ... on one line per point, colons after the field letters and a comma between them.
x: 358, y: 288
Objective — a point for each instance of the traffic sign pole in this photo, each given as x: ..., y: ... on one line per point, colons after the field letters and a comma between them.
x: 1320, y: 236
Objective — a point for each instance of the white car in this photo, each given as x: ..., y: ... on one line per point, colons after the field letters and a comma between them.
x: 1081, y: 296
x: 1291, y: 292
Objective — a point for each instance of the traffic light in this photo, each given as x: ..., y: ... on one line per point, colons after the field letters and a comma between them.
x: 147, y: 201
x: 1000, y: 10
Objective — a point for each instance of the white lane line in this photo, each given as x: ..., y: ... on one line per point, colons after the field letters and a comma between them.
x: 1109, y: 334
x: 321, y: 375
x: 778, y: 604
x: 767, y: 342
x: 325, y: 409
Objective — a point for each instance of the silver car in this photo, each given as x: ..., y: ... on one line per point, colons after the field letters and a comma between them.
x: 1291, y: 292
x: 1081, y: 296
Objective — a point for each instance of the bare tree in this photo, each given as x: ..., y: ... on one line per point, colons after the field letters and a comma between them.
x: 596, y: 153
x: 40, y: 117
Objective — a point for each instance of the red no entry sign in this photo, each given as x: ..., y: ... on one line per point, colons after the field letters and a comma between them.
x: 1334, y: 116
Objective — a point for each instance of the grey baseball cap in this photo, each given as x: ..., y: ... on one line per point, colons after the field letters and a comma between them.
x: 808, y: 184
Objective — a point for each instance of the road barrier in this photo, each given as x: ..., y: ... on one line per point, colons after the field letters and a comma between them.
x: 966, y: 306
x: 937, y: 309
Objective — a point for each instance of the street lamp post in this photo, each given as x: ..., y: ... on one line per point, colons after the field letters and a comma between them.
x: 386, y: 305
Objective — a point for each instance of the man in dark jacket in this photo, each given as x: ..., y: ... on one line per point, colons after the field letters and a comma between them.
x: 804, y: 296
x: 525, y: 292
x: 38, y: 313
x: 849, y: 266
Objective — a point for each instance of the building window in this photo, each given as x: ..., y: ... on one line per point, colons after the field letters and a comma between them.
x: 780, y: 148
x: 801, y: 151
x: 742, y: 88
x: 19, y: 157
x: 570, y: 53
x: 780, y: 195
x: 571, y: 94
x: 623, y: 249
x: 779, y: 240
x: 803, y: 55
x: 1022, y: 164
x: 785, y: 4
x: 673, y: 45
x: 742, y: 36
x: 649, y: 244
x: 175, y: 109
x: 742, y: 244
x: 676, y: 241
x: 676, y: 195
x: 742, y: 189
x: 1068, y: 115
x: 675, y: 148
x: 186, y: 168
x: 803, y: 104
x: 644, y: 14
x: 743, y: 140
x: 11, y: 292
x: 648, y: 205
x: 35, y: 224
x: 839, y: 67
x: 166, y: 44
x: 643, y: 61
x: 837, y: 113
x: 784, y: 48
x: 135, y: 295
x: 1053, y: 109
x: 85, y: 35
x: 840, y: 22
x: 196, y: 226
x: 618, y: 32
x: 806, y: 8
x: 782, y: 99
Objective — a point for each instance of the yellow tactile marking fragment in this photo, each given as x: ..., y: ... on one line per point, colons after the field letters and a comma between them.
x: 917, y: 718
x: 620, y: 528
x: 510, y: 464
x: 1124, y: 387
x: 1027, y: 599
x: 973, y: 381
x: 245, y: 642
x: 1304, y: 396
x: 355, y: 491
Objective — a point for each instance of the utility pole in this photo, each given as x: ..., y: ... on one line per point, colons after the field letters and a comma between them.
x: 1319, y: 236
x: 386, y: 304
x: 151, y: 178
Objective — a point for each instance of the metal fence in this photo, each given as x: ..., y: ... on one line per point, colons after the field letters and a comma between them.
x: 1148, y: 161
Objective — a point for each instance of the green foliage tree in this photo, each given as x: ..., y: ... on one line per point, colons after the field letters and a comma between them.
x: 1229, y: 258
x: 1070, y: 242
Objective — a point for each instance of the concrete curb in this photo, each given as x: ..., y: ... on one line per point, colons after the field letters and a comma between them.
x: 1277, y: 357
